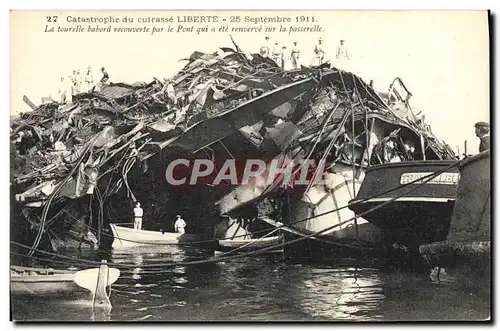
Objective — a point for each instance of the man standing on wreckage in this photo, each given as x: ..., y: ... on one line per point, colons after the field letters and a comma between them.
x: 89, y: 80
x: 295, y: 55
x: 342, y: 55
x: 283, y: 58
x: 62, y: 91
x: 319, y: 53
x: 264, y: 50
x: 276, y: 53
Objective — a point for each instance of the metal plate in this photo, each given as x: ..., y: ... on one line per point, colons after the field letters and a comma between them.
x: 446, y: 178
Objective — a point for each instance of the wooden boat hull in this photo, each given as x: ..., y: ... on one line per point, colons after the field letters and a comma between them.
x: 327, y: 248
x: 248, y: 245
x: 129, y: 237
x: 416, y: 217
x: 38, y: 281
x: 42, y: 286
x: 338, y: 244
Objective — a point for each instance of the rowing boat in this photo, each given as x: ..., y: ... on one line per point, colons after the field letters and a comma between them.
x: 248, y: 245
x: 37, y: 281
x: 129, y: 237
x: 28, y: 280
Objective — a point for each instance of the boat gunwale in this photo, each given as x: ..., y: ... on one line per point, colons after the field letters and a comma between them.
x: 403, y: 199
x: 42, y: 278
x: 474, y: 158
x: 148, y: 232
x: 411, y: 163
x: 251, y: 241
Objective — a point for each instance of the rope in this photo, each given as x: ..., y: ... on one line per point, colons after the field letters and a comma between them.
x: 299, y: 221
x: 328, y: 149
x: 52, y: 261
x: 100, y: 216
x: 323, y: 126
x: 55, y: 192
x: 125, y: 170
x: 266, y: 249
x: 353, y: 157
x: 248, y: 244
x: 223, y: 258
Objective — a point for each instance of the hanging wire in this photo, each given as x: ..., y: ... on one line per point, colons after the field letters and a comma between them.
x: 256, y: 252
x: 295, y: 222
x: 55, y: 192
x: 253, y: 242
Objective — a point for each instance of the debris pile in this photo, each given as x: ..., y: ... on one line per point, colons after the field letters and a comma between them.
x: 87, y: 148
x: 48, y: 142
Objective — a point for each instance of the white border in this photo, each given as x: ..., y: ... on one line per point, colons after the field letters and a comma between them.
x: 199, y: 4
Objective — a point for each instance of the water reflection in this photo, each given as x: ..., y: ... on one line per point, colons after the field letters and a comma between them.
x: 101, y: 314
x: 344, y: 293
x: 251, y: 288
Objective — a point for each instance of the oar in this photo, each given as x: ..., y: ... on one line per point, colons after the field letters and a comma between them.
x: 96, y: 280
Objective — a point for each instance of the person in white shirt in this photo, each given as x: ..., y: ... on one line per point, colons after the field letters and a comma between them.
x: 62, y: 92
x: 295, y: 55
x: 283, y: 58
x: 138, y: 212
x: 276, y: 53
x: 78, y: 82
x: 342, y: 55
x: 264, y: 49
x: 319, y: 53
x: 89, y: 80
x: 179, y: 225
x: 74, y: 80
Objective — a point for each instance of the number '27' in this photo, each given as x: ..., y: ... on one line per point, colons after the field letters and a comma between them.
x: 52, y: 19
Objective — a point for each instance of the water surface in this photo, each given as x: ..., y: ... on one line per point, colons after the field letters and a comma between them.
x: 258, y: 288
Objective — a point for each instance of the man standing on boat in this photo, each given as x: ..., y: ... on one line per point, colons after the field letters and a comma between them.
x: 138, y: 212
x: 179, y: 225
x: 483, y: 133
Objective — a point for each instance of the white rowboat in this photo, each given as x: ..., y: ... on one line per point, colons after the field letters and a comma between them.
x: 248, y: 245
x: 129, y: 237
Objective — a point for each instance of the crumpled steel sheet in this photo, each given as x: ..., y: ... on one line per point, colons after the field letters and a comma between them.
x: 213, y: 96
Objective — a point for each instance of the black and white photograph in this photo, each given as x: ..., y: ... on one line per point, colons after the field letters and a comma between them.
x: 250, y: 166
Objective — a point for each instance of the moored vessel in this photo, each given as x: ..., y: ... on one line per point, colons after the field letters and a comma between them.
x: 130, y: 237
x: 466, y: 251
x: 419, y: 210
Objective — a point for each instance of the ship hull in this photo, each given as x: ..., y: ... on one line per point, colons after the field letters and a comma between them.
x: 249, y: 245
x: 416, y: 213
x: 39, y: 281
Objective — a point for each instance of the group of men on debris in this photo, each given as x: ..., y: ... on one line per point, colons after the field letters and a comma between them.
x: 281, y: 57
x: 76, y: 84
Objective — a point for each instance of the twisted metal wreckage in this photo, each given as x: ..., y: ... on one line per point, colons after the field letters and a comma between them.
x: 77, y: 167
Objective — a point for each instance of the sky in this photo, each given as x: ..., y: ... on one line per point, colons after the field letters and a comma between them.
x: 442, y: 56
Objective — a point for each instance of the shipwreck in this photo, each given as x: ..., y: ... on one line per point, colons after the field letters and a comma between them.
x: 78, y: 167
